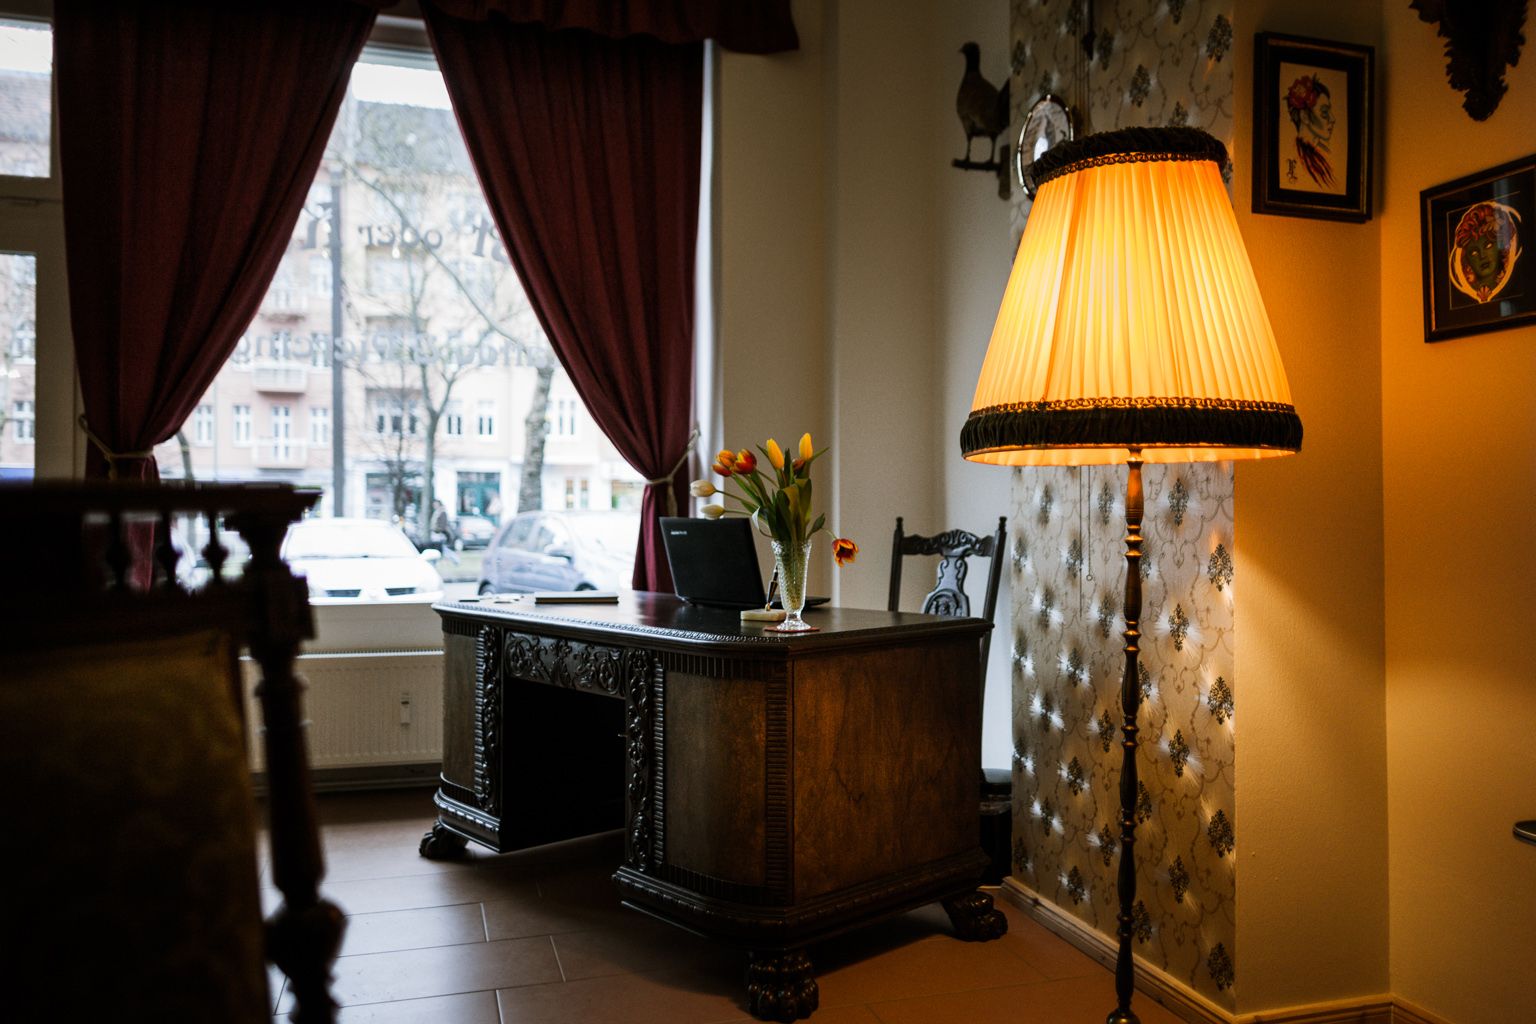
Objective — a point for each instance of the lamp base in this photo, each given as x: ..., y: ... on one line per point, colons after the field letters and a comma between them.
x: 1126, y: 1016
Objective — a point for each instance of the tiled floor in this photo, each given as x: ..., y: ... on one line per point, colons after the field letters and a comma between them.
x: 539, y: 938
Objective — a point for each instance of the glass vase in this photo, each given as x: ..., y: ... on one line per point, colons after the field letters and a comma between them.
x: 792, y: 562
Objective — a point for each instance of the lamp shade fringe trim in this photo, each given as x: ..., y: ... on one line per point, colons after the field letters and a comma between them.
x: 1253, y: 425
x: 1128, y: 145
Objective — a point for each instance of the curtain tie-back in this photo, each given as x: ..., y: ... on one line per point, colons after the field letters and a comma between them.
x: 671, y: 492
x: 107, y: 453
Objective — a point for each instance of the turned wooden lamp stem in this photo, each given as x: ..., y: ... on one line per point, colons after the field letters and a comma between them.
x: 1130, y: 704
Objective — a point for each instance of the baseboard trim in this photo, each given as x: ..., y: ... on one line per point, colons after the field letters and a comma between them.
x: 382, y: 776
x: 1189, y: 1005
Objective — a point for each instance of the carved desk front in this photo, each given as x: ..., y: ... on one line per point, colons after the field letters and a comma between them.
x: 773, y: 790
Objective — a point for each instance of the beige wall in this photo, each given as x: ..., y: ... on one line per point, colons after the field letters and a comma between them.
x: 1460, y: 482
x: 826, y: 309
x: 771, y: 187
x: 1311, y: 752
x: 971, y: 255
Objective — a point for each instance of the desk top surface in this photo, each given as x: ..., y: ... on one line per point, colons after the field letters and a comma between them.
x: 669, y: 621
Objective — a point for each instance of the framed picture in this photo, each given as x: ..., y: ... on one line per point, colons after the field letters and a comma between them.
x: 1474, y: 231
x: 1312, y: 127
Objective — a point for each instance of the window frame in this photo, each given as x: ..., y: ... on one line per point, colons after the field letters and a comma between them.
x: 32, y: 223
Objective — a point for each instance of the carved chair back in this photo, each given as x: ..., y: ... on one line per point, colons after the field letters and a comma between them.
x: 954, y: 549
x: 110, y: 640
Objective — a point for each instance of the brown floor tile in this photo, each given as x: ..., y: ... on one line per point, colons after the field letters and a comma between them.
x: 417, y: 948
x: 412, y: 892
x: 464, y: 1008
x: 1068, y: 1001
x: 668, y: 998
x: 1043, y: 949
x: 639, y: 946
x: 443, y: 970
x: 831, y: 1015
x: 511, y: 919
x: 414, y: 929
x: 854, y: 974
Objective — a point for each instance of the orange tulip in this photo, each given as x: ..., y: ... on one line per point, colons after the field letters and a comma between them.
x: 806, y: 451
x: 746, y: 462
x: 721, y: 468
x: 726, y: 457
x: 844, y: 550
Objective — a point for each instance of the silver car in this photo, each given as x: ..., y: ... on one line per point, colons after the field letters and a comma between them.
x: 574, y: 550
x: 361, y: 561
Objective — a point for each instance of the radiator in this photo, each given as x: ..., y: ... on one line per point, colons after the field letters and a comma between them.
x: 365, y: 711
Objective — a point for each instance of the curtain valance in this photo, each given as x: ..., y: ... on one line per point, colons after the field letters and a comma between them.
x: 746, y: 26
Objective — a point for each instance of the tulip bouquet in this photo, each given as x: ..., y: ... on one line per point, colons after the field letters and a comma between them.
x: 779, y: 505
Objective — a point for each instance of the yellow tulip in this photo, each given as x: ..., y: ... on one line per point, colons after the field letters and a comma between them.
x: 775, y: 454
x: 806, y: 451
x: 713, y: 511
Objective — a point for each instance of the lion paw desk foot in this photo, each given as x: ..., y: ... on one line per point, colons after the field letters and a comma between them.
x: 442, y: 844
x: 780, y: 986
x: 974, y: 917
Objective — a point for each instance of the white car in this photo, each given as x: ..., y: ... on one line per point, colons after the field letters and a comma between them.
x: 361, y: 561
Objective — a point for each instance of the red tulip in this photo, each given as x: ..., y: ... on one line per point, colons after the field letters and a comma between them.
x: 721, y: 468
x: 844, y: 550
x: 746, y: 462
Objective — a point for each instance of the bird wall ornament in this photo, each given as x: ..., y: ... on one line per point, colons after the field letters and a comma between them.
x: 1482, y: 40
x: 984, y: 114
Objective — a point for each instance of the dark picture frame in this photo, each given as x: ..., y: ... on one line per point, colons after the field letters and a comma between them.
x: 1473, y: 235
x: 1314, y: 123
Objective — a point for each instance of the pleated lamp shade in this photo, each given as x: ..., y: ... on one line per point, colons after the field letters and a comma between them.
x: 1132, y: 318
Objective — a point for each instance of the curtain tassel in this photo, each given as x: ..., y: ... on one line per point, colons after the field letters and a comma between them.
x: 112, y: 457
x: 666, y: 481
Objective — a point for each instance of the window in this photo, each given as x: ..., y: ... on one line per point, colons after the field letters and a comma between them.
x: 26, y: 97
x: 242, y: 421
x: 24, y: 416
x: 18, y: 362
x: 282, y: 432
x: 202, y: 424
x: 434, y: 331
x: 24, y: 340
x: 319, y: 424
x: 393, y: 413
x: 562, y: 421
x: 578, y: 493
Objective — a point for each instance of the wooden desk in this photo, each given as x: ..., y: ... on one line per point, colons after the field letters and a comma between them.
x: 773, y: 790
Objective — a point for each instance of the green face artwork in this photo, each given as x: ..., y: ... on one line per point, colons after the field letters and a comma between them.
x: 1483, y: 260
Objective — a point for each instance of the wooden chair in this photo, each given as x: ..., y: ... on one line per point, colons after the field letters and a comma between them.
x: 129, y: 853
x: 954, y: 549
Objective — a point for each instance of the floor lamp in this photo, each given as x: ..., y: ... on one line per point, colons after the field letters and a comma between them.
x: 1131, y: 331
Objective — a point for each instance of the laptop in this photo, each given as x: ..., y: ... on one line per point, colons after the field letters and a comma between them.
x: 714, y: 563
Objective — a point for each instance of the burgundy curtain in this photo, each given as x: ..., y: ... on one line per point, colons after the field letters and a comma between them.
x: 588, y: 151
x: 747, y: 26
x: 189, y: 133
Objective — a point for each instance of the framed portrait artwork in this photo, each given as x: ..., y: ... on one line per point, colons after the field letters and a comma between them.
x: 1474, y: 232
x: 1313, y: 124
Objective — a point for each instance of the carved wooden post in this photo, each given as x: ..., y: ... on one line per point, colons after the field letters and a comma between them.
x: 303, y: 936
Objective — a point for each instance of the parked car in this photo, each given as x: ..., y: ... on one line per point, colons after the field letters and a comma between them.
x: 360, y: 561
x: 475, y: 531
x: 574, y: 550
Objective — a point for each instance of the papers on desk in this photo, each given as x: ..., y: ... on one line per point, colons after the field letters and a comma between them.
x: 549, y: 597
x: 575, y: 597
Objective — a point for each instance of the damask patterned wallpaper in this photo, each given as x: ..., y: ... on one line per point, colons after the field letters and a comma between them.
x: 1153, y: 62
